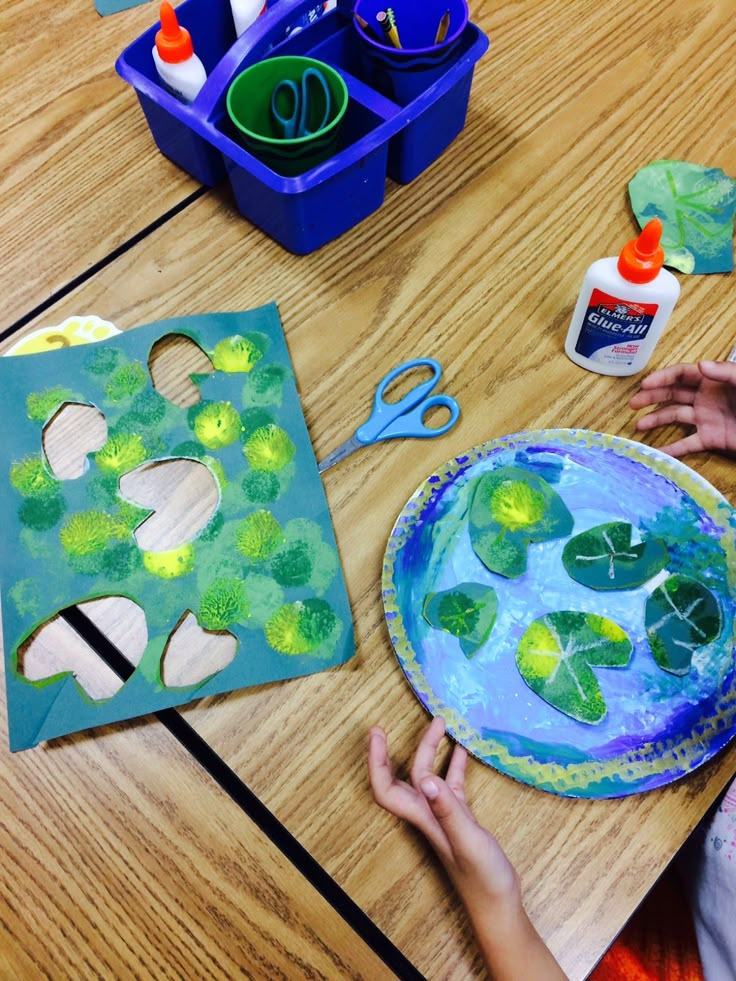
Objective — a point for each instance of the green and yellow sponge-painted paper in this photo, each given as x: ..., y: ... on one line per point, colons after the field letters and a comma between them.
x: 265, y: 568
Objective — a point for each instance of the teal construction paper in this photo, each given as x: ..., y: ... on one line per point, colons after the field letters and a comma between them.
x: 105, y: 7
x: 281, y: 593
x: 696, y: 206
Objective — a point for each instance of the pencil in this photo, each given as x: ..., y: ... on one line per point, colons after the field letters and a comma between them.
x: 388, y: 29
x: 365, y: 26
x: 392, y: 20
x: 442, y: 28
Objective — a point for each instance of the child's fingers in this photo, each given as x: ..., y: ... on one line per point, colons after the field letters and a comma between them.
x: 673, y: 376
x: 450, y: 813
x: 652, y: 396
x: 689, y: 444
x: 722, y: 371
x: 455, y: 777
x: 395, y: 796
x: 683, y: 414
x: 380, y: 771
x: 423, y: 763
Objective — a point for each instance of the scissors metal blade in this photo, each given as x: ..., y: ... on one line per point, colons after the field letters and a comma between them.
x: 338, y: 455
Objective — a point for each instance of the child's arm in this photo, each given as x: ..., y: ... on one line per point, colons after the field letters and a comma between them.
x: 702, y: 395
x: 475, y: 862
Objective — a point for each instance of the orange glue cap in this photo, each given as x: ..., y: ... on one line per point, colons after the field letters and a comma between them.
x: 642, y: 258
x: 173, y: 43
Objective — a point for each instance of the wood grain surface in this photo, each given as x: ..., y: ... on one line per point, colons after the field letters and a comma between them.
x: 477, y: 263
x: 121, y: 858
x: 79, y: 172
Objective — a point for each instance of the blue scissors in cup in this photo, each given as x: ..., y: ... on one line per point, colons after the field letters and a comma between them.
x: 392, y: 420
x: 302, y: 103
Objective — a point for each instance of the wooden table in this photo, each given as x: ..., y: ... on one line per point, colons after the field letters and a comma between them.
x: 121, y: 859
x: 477, y: 263
x: 81, y: 179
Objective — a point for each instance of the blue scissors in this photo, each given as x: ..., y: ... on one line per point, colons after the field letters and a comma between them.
x: 391, y: 420
x: 302, y: 104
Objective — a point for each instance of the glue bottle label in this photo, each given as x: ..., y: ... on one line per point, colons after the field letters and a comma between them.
x: 613, y: 330
x: 306, y: 20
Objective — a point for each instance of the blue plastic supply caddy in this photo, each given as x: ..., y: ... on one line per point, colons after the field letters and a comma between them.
x: 379, y: 136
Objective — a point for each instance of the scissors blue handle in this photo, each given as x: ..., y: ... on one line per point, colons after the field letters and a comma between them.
x: 300, y: 101
x: 390, y: 420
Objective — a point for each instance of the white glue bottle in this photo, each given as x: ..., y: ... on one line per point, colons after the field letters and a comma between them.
x: 246, y: 12
x: 178, y: 67
x: 623, y: 307
x: 306, y: 20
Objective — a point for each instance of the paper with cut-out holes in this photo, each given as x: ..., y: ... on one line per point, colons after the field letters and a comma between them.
x: 265, y: 568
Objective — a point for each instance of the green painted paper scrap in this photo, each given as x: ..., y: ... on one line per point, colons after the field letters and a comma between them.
x: 696, y: 206
x: 467, y: 611
x: 681, y: 615
x: 556, y: 656
x: 265, y: 568
x: 604, y: 558
x: 105, y: 7
x: 511, y: 508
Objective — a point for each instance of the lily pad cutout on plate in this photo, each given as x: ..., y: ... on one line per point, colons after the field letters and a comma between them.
x: 556, y: 656
x: 467, y: 611
x: 696, y: 206
x: 511, y: 508
x: 681, y: 615
x: 604, y: 558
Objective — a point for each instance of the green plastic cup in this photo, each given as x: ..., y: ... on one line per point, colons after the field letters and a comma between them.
x: 249, y: 107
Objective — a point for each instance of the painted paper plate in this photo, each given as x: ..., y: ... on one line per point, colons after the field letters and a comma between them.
x: 69, y: 333
x: 632, y: 625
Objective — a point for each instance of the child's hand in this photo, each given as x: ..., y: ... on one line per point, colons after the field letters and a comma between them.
x: 702, y: 395
x: 484, y: 878
x: 474, y: 860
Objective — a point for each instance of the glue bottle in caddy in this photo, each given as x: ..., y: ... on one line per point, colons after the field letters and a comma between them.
x: 178, y: 66
x: 306, y: 20
x: 623, y: 307
x: 246, y: 13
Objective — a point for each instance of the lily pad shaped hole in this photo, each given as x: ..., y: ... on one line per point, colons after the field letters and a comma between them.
x: 193, y: 654
x: 55, y: 648
x: 182, y: 494
x: 71, y: 434
x: 174, y: 358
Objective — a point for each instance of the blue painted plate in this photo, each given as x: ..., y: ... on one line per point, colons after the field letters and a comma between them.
x: 658, y: 727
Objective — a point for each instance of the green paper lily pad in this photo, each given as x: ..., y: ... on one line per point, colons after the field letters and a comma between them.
x: 696, y: 206
x: 511, y: 508
x: 556, y: 656
x: 467, y: 611
x: 604, y: 558
x: 681, y: 615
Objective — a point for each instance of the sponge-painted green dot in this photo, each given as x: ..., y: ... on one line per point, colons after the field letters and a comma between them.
x: 236, y: 354
x: 172, y: 564
x: 217, y: 425
x: 258, y: 535
x: 269, y: 448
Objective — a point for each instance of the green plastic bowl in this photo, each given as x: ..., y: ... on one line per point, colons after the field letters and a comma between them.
x: 249, y: 107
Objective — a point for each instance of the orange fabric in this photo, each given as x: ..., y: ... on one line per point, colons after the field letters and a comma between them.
x: 658, y: 943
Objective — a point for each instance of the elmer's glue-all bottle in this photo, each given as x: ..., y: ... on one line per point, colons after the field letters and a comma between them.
x: 623, y: 307
x: 179, y: 68
x: 246, y: 12
x: 306, y: 20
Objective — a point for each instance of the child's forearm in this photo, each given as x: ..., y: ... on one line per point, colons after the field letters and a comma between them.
x: 512, y: 949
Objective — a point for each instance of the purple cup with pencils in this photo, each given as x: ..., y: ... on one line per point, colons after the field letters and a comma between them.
x: 407, y: 45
